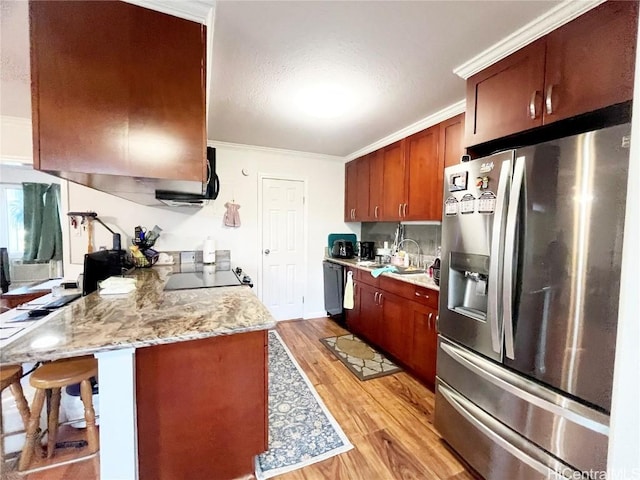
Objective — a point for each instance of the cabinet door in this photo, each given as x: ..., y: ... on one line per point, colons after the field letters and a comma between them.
x: 350, y: 190
x: 506, y: 97
x: 451, y: 146
x: 117, y: 89
x: 362, y: 196
x: 423, y: 176
x: 424, y: 341
x: 80, y: 85
x: 393, y: 182
x: 167, y: 96
x: 370, y: 314
x: 376, y: 192
x: 590, y: 61
x: 352, y: 316
x: 396, y: 332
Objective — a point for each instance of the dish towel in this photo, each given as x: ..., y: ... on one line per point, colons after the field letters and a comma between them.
x: 348, y: 292
x: 232, y: 216
x: 379, y: 271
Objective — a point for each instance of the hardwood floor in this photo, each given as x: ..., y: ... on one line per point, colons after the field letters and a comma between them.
x: 388, y: 420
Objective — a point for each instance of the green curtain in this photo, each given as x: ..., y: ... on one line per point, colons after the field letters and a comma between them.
x: 43, y: 232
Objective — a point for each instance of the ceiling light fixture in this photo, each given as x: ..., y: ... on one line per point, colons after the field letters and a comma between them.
x: 325, y: 100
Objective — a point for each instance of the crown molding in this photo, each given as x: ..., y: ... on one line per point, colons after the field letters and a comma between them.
x: 275, y: 151
x: 194, y: 10
x: 431, y: 120
x: 539, y: 27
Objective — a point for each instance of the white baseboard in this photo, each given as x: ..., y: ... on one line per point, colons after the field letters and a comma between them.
x: 309, y: 315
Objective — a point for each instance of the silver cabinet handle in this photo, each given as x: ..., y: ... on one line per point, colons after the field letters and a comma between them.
x: 436, y: 325
x: 495, y: 264
x: 267, y: 251
x: 375, y: 297
x: 399, y: 210
x: 421, y: 295
x: 429, y: 320
x: 532, y: 105
x: 380, y: 300
x: 549, y: 99
x: 375, y: 214
x: 404, y: 210
x: 353, y: 213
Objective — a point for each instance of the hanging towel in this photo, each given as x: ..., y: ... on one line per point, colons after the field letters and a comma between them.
x: 348, y: 292
x: 232, y: 216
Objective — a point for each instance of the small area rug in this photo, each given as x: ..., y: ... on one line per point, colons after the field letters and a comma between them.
x: 365, y: 362
x: 301, y: 429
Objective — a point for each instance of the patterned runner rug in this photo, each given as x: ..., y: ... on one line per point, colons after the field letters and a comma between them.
x: 301, y: 429
x: 363, y: 361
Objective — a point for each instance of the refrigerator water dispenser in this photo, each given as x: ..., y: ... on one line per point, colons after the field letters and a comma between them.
x: 468, y: 281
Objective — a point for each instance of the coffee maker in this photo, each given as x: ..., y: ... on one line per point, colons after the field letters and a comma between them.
x: 366, y: 250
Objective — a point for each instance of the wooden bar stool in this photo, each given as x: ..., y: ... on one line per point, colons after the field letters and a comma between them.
x: 10, y: 376
x: 53, y: 376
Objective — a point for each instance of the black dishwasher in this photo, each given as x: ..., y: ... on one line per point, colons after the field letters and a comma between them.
x: 333, y: 289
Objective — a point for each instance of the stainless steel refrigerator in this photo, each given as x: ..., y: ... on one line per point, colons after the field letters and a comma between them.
x: 530, y: 276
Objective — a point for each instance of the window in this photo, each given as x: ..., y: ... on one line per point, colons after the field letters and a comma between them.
x: 11, y: 219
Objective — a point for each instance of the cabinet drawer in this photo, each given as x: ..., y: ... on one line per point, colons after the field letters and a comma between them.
x: 422, y: 295
x: 365, y: 276
x: 426, y: 296
x: 398, y: 287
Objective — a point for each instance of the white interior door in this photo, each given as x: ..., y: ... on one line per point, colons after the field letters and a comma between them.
x: 283, y: 247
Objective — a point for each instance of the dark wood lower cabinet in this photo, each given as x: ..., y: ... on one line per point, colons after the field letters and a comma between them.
x: 424, y: 341
x: 399, y: 319
x: 202, y: 407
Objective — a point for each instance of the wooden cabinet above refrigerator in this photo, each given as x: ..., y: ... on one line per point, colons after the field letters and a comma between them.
x: 580, y: 67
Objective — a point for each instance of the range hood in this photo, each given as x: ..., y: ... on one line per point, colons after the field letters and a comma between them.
x: 173, y: 198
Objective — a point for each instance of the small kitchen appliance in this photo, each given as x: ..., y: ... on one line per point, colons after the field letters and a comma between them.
x: 366, y: 250
x: 342, y: 249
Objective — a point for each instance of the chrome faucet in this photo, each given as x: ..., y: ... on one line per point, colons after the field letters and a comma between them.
x: 418, y: 247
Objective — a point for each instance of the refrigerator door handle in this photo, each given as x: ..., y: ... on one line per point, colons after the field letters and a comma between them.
x: 509, y: 251
x: 496, y: 250
x: 463, y: 407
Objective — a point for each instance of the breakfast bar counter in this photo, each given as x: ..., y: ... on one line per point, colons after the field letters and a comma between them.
x: 182, y: 375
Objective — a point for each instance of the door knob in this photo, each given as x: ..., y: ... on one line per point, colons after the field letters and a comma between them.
x: 267, y: 251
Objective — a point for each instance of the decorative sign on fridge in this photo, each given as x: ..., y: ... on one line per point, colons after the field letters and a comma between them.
x: 467, y: 204
x: 451, y: 206
x: 487, y: 202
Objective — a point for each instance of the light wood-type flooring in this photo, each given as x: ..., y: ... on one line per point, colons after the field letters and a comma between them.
x: 387, y: 419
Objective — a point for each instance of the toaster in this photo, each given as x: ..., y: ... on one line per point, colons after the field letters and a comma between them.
x: 342, y: 249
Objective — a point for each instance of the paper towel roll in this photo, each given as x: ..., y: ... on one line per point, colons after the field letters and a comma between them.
x: 209, y: 251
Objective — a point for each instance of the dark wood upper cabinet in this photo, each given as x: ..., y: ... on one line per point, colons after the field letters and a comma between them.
x: 376, y: 196
x: 423, y: 176
x: 580, y: 67
x: 356, y: 208
x: 350, y: 190
x: 393, y: 181
x: 590, y: 61
x: 451, y: 146
x: 506, y: 97
x: 117, y: 89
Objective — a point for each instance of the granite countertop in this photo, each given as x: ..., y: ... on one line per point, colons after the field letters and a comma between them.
x: 421, y: 279
x: 147, y: 316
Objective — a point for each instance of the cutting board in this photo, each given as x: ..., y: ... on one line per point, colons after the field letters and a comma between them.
x: 350, y: 237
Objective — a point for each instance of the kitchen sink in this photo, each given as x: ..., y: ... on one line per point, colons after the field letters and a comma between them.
x: 409, y: 270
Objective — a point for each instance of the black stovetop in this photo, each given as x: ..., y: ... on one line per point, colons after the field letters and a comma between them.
x: 206, y: 276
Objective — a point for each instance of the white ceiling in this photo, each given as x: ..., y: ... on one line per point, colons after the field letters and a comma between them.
x: 392, y: 61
